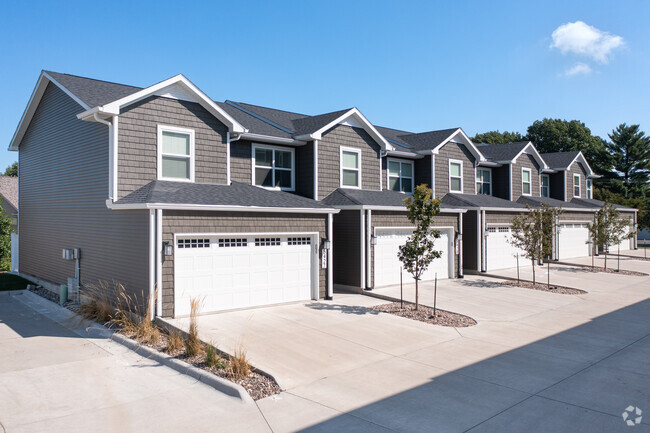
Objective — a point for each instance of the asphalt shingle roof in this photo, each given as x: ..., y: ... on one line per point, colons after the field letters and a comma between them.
x: 356, y: 197
x: 281, y: 117
x: 236, y: 194
x: 479, y: 200
x: 538, y: 201
x: 252, y: 123
x: 559, y: 160
x: 427, y: 140
x: 596, y: 204
x: 307, y: 125
x: 9, y: 189
x: 93, y: 92
x: 502, y: 152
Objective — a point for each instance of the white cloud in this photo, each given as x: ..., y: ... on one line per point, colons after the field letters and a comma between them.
x: 583, y: 39
x: 578, y: 69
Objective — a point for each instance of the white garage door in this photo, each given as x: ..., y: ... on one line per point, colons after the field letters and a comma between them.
x: 227, y: 272
x: 625, y: 244
x: 387, y: 265
x: 500, y: 253
x: 573, y: 241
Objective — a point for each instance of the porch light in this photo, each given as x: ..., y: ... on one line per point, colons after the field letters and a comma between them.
x: 373, y: 240
x: 326, y: 244
x: 168, y: 249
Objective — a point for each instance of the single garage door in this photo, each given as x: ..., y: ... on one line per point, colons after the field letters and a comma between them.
x: 387, y: 265
x: 228, y: 272
x: 573, y: 240
x: 625, y: 244
x: 500, y: 253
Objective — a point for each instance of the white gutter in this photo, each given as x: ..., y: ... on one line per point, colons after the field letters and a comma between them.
x: 228, y: 158
x: 315, y: 169
x: 393, y: 208
x: 159, y: 256
x: 200, y: 207
x: 271, y: 139
x: 404, y: 154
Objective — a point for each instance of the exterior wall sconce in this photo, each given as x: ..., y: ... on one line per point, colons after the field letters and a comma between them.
x: 326, y: 244
x: 373, y: 240
x: 168, y: 249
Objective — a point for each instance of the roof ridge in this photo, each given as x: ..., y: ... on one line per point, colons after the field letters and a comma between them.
x: 346, y: 195
x: 93, y: 79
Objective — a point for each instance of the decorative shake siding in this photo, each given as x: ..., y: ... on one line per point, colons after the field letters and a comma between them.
x: 138, y: 141
x: 576, y: 168
x: 501, y: 182
x: 329, y: 158
x: 399, y: 219
x: 63, y: 191
x: 233, y: 222
x: 347, y: 247
x: 505, y: 218
x: 240, y: 161
x: 525, y: 161
x: 582, y: 217
x: 458, y: 152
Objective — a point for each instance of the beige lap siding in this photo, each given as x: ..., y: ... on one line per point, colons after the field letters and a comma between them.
x: 138, y: 139
x: 460, y: 153
x: 233, y: 222
x: 399, y: 219
x: 329, y: 157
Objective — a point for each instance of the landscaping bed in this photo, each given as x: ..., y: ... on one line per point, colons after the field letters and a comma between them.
x: 610, y: 270
x: 425, y: 314
x: 553, y: 288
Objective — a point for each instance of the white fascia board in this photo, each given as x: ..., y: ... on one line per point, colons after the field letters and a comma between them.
x: 503, y: 209
x: 115, y: 106
x: 536, y: 155
x: 392, y: 208
x: 271, y: 139
x: 403, y: 154
x: 41, y: 84
x: 354, y: 112
x: 489, y: 164
x: 467, y: 142
x: 168, y: 206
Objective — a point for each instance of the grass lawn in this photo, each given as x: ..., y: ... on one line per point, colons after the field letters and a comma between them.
x: 12, y: 282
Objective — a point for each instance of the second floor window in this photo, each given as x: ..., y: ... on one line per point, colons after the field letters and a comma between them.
x: 455, y: 176
x: 484, y: 181
x: 590, y: 188
x: 273, y: 167
x: 544, y: 186
x: 576, y: 185
x: 400, y: 176
x: 350, y: 168
x: 525, y: 181
x: 175, y: 153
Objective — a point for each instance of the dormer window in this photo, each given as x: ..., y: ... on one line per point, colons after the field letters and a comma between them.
x: 576, y: 185
x: 484, y: 181
x: 455, y: 176
x: 400, y: 176
x: 525, y: 181
x: 273, y: 167
x: 350, y: 168
x: 175, y: 153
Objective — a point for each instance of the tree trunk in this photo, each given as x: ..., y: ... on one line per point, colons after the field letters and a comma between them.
x: 605, y: 259
x: 417, y: 294
x: 533, y: 262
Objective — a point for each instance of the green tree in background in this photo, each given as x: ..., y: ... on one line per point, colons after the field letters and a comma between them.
x: 496, y: 137
x: 6, y: 228
x: 630, y: 151
x: 12, y: 170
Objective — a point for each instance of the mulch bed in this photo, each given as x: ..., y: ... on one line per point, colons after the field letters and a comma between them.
x: 611, y: 269
x: 425, y: 314
x: 256, y: 384
x: 553, y: 288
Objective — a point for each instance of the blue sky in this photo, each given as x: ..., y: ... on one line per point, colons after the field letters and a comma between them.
x: 410, y: 65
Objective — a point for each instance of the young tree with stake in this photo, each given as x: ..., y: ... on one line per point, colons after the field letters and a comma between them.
x: 608, y: 228
x: 418, y: 252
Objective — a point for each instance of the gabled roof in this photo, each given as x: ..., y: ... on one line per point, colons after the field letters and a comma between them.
x: 507, y: 153
x: 361, y: 198
x: 564, y: 160
x: 312, y: 124
x: 428, y: 140
x: 253, y: 122
x: 597, y: 204
x: 9, y: 190
x: 92, y: 92
x: 539, y: 201
x: 469, y: 201
x: 159, y: 193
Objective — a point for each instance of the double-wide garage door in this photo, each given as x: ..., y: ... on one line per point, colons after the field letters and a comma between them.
x: 387, y: 265
x: 573, y: 240
x: 229, y: 272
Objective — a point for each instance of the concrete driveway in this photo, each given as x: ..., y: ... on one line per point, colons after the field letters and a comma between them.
x: 57, y: 376
x: 536, y: 360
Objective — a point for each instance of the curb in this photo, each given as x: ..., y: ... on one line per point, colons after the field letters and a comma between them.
x: 216, y: 382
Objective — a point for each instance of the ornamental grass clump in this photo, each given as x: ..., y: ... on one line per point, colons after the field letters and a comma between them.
x: 239, y: 367
x: 193, y: 345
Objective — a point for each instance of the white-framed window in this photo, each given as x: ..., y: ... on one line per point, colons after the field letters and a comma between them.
x: 544, y: 185
x: 576, y: 185
x: 590, y: 188
x: 175, y: 153
x: 350, y: 167
x: 526, y: 183
x: 455, y: 175
x: 400, y: 175
x: 273, y: 167
x: 484, y: 180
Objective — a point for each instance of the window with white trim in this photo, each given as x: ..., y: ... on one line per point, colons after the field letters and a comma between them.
x: 273, y: 167
x: 576, y: 185
x: 544, y: 184
x: 350, y: 168
x: 590, y: 188
x: 400, y: 176
x: 175, y: 153
x: 455, y: 176
x: 484, y: 181
x: 526, y: 181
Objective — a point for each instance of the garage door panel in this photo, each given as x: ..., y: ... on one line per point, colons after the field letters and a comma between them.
x: 242, y: 272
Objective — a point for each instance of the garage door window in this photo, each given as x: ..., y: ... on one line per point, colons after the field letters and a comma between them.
x: 400, y: 176
x: 229, y: 243
x: 267, y: 242
x: 298, y: 241
x: 273, y: 167
x: 194, y: 243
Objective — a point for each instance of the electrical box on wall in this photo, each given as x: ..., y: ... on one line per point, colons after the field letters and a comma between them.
x: 70, y: 253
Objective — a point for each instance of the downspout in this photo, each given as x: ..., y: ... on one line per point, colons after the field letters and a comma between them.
x: 111, y: 156
x: 315, y: 169
x: 479, y: 244
x: 228, y: 158
x: 330, y: 264
x: 152, y: 263
x: 362, y: 246
x: 368, y: 249
x: 159, y: 247
x: 460, y: 245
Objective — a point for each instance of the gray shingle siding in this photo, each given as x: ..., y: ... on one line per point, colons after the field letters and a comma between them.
x: 232, y: 222
x: 525, y: 161
x: 329, y: 158
x: 138, y: 136
x: 240, y: 161
x: 576, y: 168
x: 458, y: 152
x: 63, y: 189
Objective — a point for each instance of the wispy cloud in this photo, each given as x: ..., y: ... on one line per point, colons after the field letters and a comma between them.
x: 578, y: 69
x: 583, y: 39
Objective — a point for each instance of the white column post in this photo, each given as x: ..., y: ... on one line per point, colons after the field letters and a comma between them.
x: 330, y: 265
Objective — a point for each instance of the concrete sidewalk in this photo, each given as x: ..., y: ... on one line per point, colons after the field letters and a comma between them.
x: 58, y: 376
